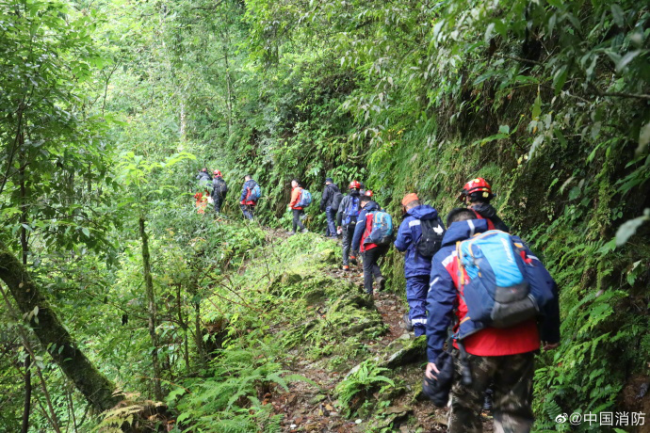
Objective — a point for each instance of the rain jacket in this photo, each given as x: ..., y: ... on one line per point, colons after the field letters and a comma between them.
x: 328, y: 196
x: 444, y: 297
x: 340, y: 214
x: 407, y: 238
x: 216, y: 185
x: 360, y: 231
x: 204, y: 176
x: 295, y: 198
x: 246, y: 192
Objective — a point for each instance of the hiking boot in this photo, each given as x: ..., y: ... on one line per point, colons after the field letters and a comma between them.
x: 346, y: 268
x: 304, y: 231
x: 381, y: 284
x: 487, y: 403
x: 408, y: 325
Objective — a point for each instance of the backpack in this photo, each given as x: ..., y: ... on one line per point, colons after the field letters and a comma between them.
x: 305, y: 199
x: 255, y: 193
x: 336, y: 200
x: 506, y: 285
x: 381, y: 232
x: 352, y: 211
x: 220, y: 188
x: 431, y: 239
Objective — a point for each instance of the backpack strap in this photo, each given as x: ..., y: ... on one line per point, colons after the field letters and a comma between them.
x: 461, y: 277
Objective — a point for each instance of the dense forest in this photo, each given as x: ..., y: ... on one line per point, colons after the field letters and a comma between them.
x: 123, y: 309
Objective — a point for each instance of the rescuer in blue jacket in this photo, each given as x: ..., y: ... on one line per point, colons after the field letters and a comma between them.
x: 417, y: 267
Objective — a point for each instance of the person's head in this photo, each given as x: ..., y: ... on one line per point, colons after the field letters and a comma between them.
x: 369, y: 193
x: 295, y: 183
x: 329, y: 181
x: 476, y: 191
x: 216, y: 173
x: 460, y: 214
x: 364, y: 200
x: 247, y: 177
x: 354, y: 185
x: 204, y: 169
x: 410, y: 201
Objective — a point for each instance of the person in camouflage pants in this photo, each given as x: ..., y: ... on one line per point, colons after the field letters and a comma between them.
x: 504, y: 356
x: 512, y: 379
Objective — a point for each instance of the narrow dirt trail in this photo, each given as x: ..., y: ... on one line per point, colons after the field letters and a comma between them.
x: 309, y: 408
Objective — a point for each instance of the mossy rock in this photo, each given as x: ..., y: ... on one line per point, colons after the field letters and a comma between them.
x: 355, y: 300
x: 391, y: 418
x: 329, y: 256
x: 290, y: 278
x: 314, y: 296
x: 412, y: 351
x: 361, y: 326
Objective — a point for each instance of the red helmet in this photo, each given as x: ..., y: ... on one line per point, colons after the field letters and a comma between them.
x: 476, y: 185
x: 217, y: 173
x: 369, y: 193
x: 355, y: 185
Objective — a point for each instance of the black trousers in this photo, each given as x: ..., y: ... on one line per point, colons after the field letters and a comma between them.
x: 217, y: 203
x: 297, y: 219
x: 370, y: 267
x: 348, y: 234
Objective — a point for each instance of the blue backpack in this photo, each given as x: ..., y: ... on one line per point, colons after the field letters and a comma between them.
x: 506, y: 284
x: 305, y: 199
x: 381, y: 232
x: 254, y: 193
x: 352, y: 211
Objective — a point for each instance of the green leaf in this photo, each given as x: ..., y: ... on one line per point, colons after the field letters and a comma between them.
x: 628, y: 228
x: 618, y: 15
x: 626, y: 59
x: 537, y: 107
x: 86, y: 232
x: 644, y: 138
x: 559, y: 78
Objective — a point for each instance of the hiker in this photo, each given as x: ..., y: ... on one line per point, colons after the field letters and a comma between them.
x: 219, y: 191
x: 477, y: 194
x: 367, y: 242
x: 420, y: 236
x: 489, y: 348
x: 204, y: 175
x: 250, y: 194
x: 329, y: 204
x: 346, y: 220
x: 296, y: 207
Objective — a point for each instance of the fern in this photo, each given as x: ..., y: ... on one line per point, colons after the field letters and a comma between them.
x: 362, y: 382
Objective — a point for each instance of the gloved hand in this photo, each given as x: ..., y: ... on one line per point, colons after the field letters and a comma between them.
x: 353, y: 257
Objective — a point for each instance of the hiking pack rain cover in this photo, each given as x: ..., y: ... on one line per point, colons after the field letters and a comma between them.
x: 382, y: 229
x: 305, y: 198
x: 505, y: 284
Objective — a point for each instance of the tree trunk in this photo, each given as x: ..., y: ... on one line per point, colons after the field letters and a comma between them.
x: 28, y: 395
x: 24, y: 244
x: 53, y: 335
x: 151, y: 299
x: 226, y: 46
x: 183, y: 126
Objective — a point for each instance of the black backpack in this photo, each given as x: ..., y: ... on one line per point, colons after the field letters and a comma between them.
x: 336, y: 200
x: 220, y: 187
x: 431, y: 239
